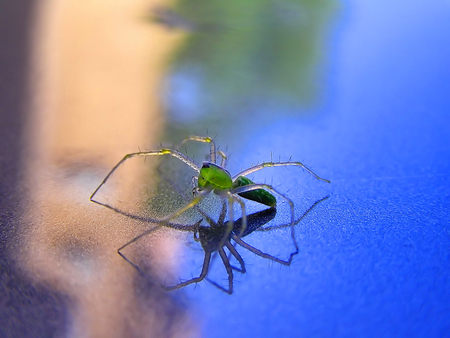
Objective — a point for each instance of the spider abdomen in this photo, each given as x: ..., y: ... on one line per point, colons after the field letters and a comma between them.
x: 258, y: 195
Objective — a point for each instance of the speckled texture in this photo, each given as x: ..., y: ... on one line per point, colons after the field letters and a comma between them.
x: 26, y: 309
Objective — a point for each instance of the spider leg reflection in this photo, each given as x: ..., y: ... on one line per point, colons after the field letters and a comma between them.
x: 211, y: 239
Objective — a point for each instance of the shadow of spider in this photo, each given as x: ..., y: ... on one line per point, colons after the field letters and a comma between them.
x: 212, y: 241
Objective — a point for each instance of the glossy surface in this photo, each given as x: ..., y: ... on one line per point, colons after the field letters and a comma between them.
x: 357, y: 91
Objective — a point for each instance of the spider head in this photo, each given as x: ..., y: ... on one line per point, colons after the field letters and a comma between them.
x: 214, y: 176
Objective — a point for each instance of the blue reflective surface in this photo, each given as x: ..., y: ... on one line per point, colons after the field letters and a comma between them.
x: 356, y: 90
x: 374, y: 258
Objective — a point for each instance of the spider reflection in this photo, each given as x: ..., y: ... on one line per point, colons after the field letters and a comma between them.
x: 212, y: 240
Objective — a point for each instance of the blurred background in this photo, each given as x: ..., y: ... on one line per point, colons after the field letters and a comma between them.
x: 358, y: 91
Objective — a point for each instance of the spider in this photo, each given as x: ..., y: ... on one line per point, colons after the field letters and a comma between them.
x: 213, y: 177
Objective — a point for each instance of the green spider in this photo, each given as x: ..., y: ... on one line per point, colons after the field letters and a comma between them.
x: 213, y: 177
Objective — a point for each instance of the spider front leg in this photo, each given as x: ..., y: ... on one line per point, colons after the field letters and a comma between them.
x: 203, y: 139
x: 277, y: 164
x: 170, y: 152
x: 213, y: 151
x: 174, y: 153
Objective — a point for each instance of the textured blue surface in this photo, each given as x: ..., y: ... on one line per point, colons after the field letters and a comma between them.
x: 372, y: 115
x: 375, y: 257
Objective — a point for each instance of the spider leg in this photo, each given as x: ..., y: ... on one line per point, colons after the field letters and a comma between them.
x: 194, y: 184
x: 220, y: 223
x: 244, y: 215
x: 277, y: 164
x: 145, y: 233
x: 267, y: 256
x: 224, y: 157
x: 222, y: 215
x: 231, y: 197
x: 130, y: 242
x: 132, y: 264
x: 137, y: 238
x: 201, y: 277
x: 206, y: 139
x: 210, y: 221
x: 197, y: 199
x: 229, y: 269
x: 263, y: 254
x: 143, y: 218
x: 161, y: 152
x: 281, y: 226
x: 234, y: 252
x: 251, y: 187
